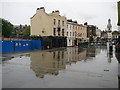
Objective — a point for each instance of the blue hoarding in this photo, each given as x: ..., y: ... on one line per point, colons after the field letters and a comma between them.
x: 13, y: 46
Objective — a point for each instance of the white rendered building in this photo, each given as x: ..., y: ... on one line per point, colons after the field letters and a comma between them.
x: 69, y: 33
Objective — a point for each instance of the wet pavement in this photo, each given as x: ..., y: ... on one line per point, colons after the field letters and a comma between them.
x: 91, y: 67
x: 0, y: 72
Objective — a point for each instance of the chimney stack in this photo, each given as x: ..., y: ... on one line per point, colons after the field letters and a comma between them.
x: 41, y: 9
x: 56, y: 12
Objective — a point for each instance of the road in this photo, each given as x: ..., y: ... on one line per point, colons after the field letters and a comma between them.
x: 90, y: 67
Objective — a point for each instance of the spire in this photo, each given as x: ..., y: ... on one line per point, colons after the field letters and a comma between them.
x: 109, y: 26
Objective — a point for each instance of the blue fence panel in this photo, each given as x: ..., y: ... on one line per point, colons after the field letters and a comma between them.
x: 22, y: 45
x: 36, y: 44
x: 13, y: 46
x: 7, y: 46
x: 0, y: 46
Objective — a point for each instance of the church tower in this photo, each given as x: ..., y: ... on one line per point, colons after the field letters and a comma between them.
x: 109, y: 30
x: 109, y: 26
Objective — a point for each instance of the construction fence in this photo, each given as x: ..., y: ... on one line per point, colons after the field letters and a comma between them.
x: 10, y: 46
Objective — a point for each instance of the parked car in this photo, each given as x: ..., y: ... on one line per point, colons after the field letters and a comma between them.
x: 117, y: 46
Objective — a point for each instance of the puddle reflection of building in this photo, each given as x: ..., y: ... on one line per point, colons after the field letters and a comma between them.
x: 110, y: 56
x: 48, y: 62
x: 69, y: 55
x: 82, y: 55
x: 91, y: 51
x: 74, y: 55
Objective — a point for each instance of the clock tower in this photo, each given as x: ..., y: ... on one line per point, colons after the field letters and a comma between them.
x: 109, y: 26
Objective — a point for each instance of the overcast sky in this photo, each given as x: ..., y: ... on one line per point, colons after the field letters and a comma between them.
x: 95, y: 12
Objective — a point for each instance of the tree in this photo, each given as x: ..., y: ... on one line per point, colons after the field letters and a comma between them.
x: 7, y: 28
x: 26, y: 31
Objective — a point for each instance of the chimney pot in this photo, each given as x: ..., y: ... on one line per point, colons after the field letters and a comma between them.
x: 37, y: 8
x: 42, y: 8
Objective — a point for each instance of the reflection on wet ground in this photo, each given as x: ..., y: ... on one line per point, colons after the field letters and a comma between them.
x: 0, y: 76
x: 117, y: 54
x: 91, y: 67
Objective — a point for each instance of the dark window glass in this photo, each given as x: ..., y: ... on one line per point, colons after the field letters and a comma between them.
x: 58, y: 31
x: 58, y: 22
x: 54, y: 31
x: 54, y: 21
x: 62, y: 32
x: 62, y: 23
x: 67, y: 33
x: 70, y: 33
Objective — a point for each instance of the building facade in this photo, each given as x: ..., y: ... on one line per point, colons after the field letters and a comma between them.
x: 51, y: 27
x: 82, y: 33
x: 69, y: 33
x: 91, y: 32
x: 18, y: 30
x: 115, y: 35
x: 104, y: 35
x: 75, y: 41
x: 98, y: 34
x: 79, y: 33
x: 44, y: 24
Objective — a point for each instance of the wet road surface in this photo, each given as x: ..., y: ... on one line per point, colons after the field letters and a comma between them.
x: 91, y: 67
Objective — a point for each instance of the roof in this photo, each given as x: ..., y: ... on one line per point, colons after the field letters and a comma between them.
x: 69, y: 20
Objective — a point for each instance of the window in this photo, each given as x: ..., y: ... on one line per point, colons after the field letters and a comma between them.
x: 67, y: 26
x: 70, y: 33
x: 58, y: 31
x: 75, y: 34
x: 62, y: 23
x: 54, y: 31
x: 58, y: 22
x: 67, y: 33
x: 54, y: 21
x: 62, y: 32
